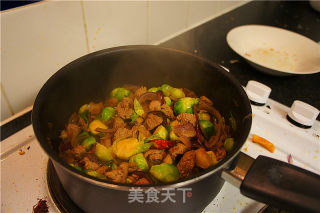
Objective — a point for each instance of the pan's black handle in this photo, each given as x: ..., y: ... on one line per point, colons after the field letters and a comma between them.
x: 281, y: 185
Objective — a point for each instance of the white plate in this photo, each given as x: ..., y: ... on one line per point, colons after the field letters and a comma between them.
x: 274, y: 50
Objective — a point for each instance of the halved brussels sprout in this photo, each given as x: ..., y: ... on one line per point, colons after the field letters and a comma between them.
x: 177, y: 93
x: 185, y: 105
x: 88, y: 142
x: 103, y: 153
x: 96, y: 124
x: 165, y: 172
x: 165, y: 88
x: 207, y: 128
x: 120, y: 93
x: 107, y: 113
x: 142, y: 163
x: 162, y: 132
x: 228, y: 144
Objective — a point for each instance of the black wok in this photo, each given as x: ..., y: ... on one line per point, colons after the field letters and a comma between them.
x: 92, y: 77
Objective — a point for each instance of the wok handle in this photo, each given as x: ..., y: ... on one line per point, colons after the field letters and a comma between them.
x: 278, y: 184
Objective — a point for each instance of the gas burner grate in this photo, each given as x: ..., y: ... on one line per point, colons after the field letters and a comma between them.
x: 59, y: 196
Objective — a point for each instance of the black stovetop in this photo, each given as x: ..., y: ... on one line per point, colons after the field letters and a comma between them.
x: 209, y: 41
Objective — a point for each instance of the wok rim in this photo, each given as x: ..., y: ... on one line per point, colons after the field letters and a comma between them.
x: 125, y: 187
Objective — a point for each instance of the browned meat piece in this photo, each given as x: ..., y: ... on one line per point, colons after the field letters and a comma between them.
x: 68, y: 156
x: 185, y: 118
x: 122, y: 132
x: 88, y: 164
x: 155, y: 105
x: 154, y: 156
x: 186, y: 163
x: 106, y: 141
x: 139, y: 120
x: 142, y: 181
x: 206, y: 100
x: 111, y: 102
x: 180, y: 148
x: 83, y: 125
x: 120, y: 174
x: 132, y: 166
x: 117, y: 123
x: 72, y: 132
x: 189, y: 93
x: 102, y: 169
x: 78, y: 151
x: 186, y: 130
x: 152, y: 121
x: 167, y: 111
x: 95, y: 109
x: 124, y: 109
x: 140, y: 91
x: 140, y: 130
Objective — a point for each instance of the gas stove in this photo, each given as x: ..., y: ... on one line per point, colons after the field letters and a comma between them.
x: 28, y: 176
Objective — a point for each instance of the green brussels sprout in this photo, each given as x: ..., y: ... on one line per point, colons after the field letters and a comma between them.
x: 95, y: 174
x: 107, y: 113
x: 184, y: 105
x: 83, y: 108
x: 168, y: 101
x: 137, y: 107
x: 177, y: 93
x: 172, y: 135
x: 162, y: 132
x: 228, y: 144
x: 88, y: 142
x: 207, y: 128
x: 84, y: 115
x: 103, y: 153
x: 165, y: 88
x: 165, y: 172
x: 154, y: 89
x: 204, y: 116
x: 142, y: 163
x: 120, y: 93
x: 128, y: 147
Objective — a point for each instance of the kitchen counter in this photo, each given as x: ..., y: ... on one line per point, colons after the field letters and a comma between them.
x: 209, y: 41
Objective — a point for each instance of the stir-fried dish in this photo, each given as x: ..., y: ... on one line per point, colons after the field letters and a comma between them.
x: 146, y: 136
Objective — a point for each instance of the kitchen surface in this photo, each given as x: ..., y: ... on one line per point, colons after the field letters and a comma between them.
x: 26, y: 176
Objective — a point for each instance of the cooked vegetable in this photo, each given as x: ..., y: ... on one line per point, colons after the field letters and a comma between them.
x: 165, y: 88
x: 83, y: 108
x: 126, y: 148
x: 263, y: 142
x: 228, y: 144
x: 88, y: 142
x: 137, y: 107
x: 165, y: 172
x: 107, y: 113
x: 142, y: 163
x: 207, y: 128
x: 162, y: 132
x: 203, y: 160
x: 95, y: 124
x: 146, y: 136
x: 103, y: 153
x: 154, y: 89
x: 163, y: 144
x: 204, y: 116
x: 177, y: 93
x: 184, y: 105
x: 120, y: 93
x: 168, y: 101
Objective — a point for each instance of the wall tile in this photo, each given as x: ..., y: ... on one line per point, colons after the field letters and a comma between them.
x: 202, y: 11
x: 166, y: 18
x: 36, y: 41
x: 115, y: 23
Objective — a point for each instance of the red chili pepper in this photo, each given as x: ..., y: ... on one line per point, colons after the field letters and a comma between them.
x: 163, y: 144
x: 197, y: 127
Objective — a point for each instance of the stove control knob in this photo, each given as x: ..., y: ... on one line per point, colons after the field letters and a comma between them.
x: 257, y: 93
x: 302, y: 114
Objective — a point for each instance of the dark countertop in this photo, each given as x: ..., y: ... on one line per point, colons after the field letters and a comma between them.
x: 209, y: 40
